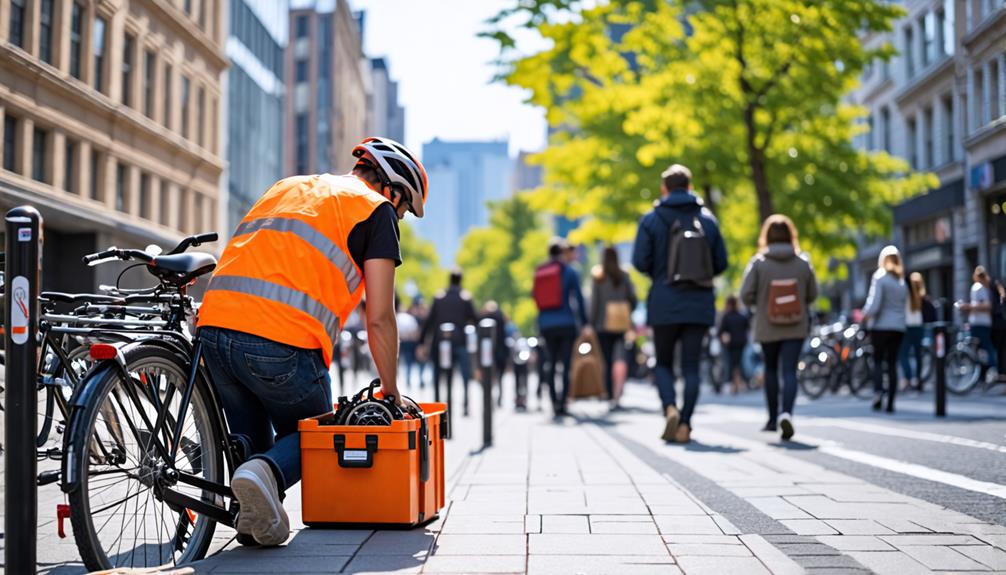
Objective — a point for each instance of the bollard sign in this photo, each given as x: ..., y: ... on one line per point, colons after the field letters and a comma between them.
x: 20, y: 312
x: 941, y: 345
x: 486, y: 352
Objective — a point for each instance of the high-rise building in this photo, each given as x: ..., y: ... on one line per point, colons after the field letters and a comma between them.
x: 111, y: 115
x: 326, y: 108
x: 387, y: 117
x: 256, y: 44
x: 482, y: 171
x: 941, y: 105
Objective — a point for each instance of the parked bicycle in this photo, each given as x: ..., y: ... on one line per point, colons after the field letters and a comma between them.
x: 836, y: 357
x: 965, y: 364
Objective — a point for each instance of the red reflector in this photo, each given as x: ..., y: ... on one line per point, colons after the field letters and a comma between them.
x: 101, y: 351
x: 62, y: 513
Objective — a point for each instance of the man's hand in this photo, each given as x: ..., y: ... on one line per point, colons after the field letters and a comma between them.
x: 382, y: 329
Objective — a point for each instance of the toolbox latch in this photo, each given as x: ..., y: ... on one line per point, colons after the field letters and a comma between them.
x: 424, y: 451
x: 355, y: 458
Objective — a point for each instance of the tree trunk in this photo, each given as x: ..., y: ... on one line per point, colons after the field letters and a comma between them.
x: 707, y: 196
x: 756, y: 161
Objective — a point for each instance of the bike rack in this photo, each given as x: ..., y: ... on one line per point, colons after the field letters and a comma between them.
x: 22, y: 267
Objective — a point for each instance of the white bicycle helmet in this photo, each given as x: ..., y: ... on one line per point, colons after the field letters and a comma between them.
x: 400, y: 168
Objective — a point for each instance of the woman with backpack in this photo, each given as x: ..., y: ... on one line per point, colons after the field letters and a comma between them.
x: 612, y: 300
x: 780, y: 285
x: 884, y: 313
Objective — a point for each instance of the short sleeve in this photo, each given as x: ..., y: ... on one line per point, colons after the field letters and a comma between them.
x: 376, y: 238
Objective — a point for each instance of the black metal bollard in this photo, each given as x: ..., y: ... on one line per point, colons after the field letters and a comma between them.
x: 487, y: 348
x: 446, y: 360
x: 472, y: 348
x: 939, y: 366
x: 521, y: 357
x: 22, y: 275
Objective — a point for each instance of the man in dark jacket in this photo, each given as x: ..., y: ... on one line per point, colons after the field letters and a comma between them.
x: 560, y: 326
x: 451, y: 306
x: 677, y: 312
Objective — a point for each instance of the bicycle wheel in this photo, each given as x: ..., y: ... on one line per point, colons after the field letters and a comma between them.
x: 813, y: 373
x: 117, y: 511
x: 963, y: 370
x: 926, y: 369
x: 861, y: 375
x: 54, y: 380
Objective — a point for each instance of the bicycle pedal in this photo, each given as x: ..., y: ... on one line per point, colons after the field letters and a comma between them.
x: 47, y: 477
x: 54, y: 453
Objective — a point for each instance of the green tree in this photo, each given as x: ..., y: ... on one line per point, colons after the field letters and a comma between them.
x: 420, y: 264
x: 748, y: 93
x: 499, y: 260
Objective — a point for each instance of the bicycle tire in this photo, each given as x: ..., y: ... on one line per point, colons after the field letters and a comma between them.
x: 813, y: 375
x: 963, y: 370
x: 104, y: 413
x: 861, y: 376
x: 76, y: 352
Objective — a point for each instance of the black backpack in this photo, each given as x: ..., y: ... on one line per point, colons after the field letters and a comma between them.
x: 689, y: 255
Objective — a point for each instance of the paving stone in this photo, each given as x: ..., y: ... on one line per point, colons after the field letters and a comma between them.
x: 722, y: 566
x: 776, y: 491
x: 485, y: 525
x: 476, y: 564
x: 688, y: 525
x: 811, y: 563
x: 599, y: 544
x: 456, y: 544
x: 794, y: 549
x: 902, y: 525
x: 889, y: 563
x: 859, y: 527
x: 726, y: 526
x: 272, y: 565
x: 532, y: 524
x: 677, y: 510
x: 942, y: 558
x: 855, y: 543
x: 412, y: 543
x: 778, y: 562
x: 707, y: 539
x: 708, y: 549
x: 989, y: 556
x: 901, y: 541
x: 631, y: 527
x: 601, y: 565
x: 564, y: 524
x: 367, y: 564
x: 777, y: 508
x: 808, y: 526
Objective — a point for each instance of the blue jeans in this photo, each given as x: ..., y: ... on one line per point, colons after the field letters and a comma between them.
x: 781, y: 354
x: 911, y: 348
x: 984, y: 335
x: 665, y: 338
x: 407, y: 351
x: 267, y: 387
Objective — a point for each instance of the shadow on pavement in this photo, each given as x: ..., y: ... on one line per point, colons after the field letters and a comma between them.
x: 699, y: 447
x: 794, y: 445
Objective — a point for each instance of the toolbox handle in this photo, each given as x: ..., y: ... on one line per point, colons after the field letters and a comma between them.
x: 424, y: 451
x: 355, y: 458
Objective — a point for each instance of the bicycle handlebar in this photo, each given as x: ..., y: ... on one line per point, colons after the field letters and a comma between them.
x: 194, y: 241
x: 129, y: 254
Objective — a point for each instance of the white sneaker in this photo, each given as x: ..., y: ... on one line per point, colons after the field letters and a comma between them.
x: 786, y: 425
x: 261, y: 514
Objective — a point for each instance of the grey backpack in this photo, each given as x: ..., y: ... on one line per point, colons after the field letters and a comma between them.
x: 689, y: 255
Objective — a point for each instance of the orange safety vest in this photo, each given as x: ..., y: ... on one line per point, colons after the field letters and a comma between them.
x: 286, y: 275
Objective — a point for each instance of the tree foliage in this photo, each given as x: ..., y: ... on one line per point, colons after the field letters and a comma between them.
x: 748, y: 93
x: 420, y: 266
x: 499, y: 260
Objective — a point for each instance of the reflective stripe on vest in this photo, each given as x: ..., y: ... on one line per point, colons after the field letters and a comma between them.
x: 280, y: 294
x: 316, y: 239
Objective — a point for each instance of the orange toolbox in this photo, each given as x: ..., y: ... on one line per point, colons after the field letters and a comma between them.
x: 373, y: 474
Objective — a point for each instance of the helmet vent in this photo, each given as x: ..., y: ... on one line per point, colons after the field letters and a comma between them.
x: 402, y: 170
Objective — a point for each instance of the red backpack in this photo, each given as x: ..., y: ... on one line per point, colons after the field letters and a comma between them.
x: 547, y: 291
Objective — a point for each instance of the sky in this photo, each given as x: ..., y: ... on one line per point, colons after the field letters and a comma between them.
x: 445, y: 72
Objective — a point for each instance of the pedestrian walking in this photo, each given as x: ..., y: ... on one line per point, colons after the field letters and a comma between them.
x: 562, y: 313
x: 733, y: 334
x: 452, y: 305
x: 408, y: 334
x: 979, y: 310
x: 679, y: 245
x: 911, y: 345
x: 781, y: 286
x: 612, y: 299
x: 501, y: 352
x: 884, y: 313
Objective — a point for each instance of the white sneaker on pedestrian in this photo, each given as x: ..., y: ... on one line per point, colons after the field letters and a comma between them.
x: 261, y: 513
x: 786, y: 425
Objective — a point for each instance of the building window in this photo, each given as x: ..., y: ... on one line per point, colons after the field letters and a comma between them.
x: 909, y: 52
x: 167, y: 95
x: 214, y: 124
x: 98, y: 42
x: 870, y: 132
x: 185, y: 107
x: 301, y: 74
x: 913, y: 145
x: 927, y: 138
x: 200, y: 115
x: 188, y: 7
x: 16, y: 33
x: 301, y: 26
x: 149, y: 71
x: 885, y: 129
x: 301, y: 137
x: 202, y: 13
x: 145, y: 195
x: 76, y: 23
x: 45, y: 14
x: 96, y: 191
x: 69, y: 162
x: 994, y: 73
x: 950, y: 147
x: 120, y: 186
x: 9, y: 141
x: 928, y: 27
x: 128, y: 44
x: 38, y: 145
x: 183, y: 210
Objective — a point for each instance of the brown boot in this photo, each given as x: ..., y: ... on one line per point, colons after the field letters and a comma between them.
x: 684, y: 434
x: 673, y: 417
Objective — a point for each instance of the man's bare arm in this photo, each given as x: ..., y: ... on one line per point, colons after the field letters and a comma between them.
x: 382, y: 329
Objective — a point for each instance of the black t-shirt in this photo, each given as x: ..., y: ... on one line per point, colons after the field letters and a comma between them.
x: 376, y: 238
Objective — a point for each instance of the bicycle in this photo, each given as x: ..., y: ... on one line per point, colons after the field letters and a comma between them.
x: 838, y: 356
x: 147, y: 431
x: 965, y: 364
